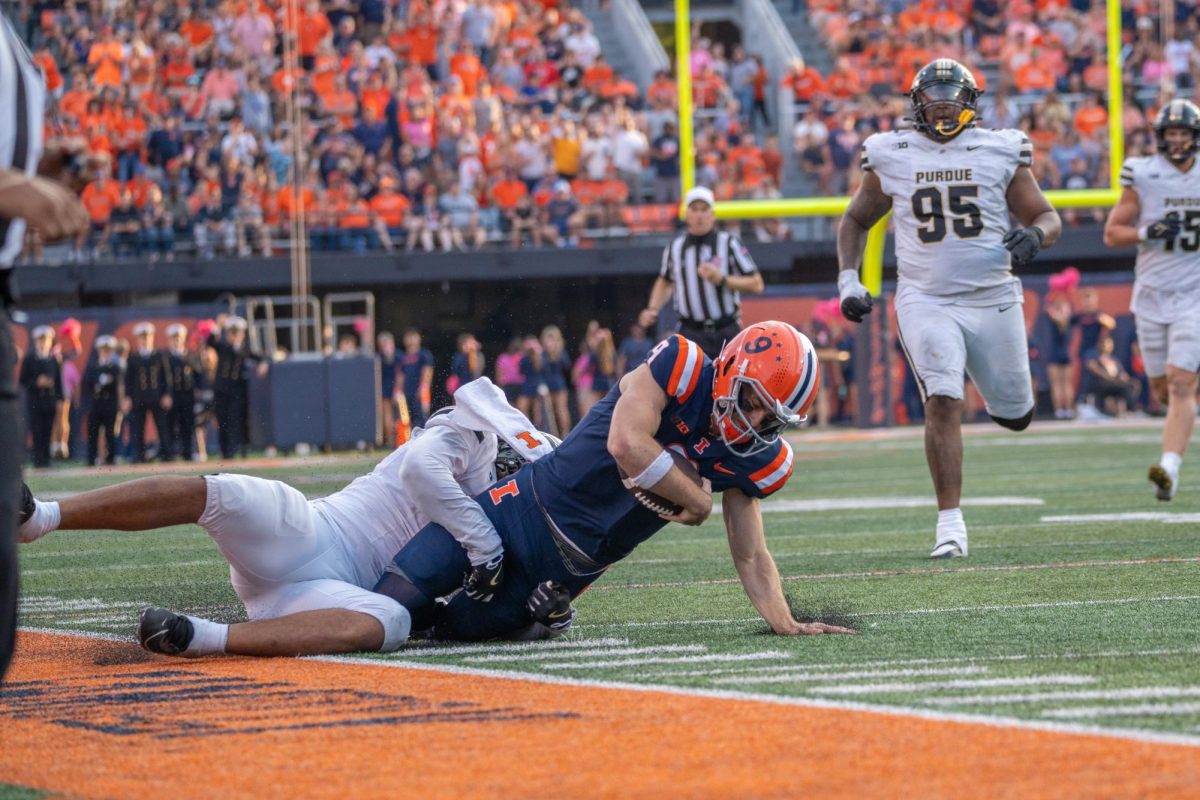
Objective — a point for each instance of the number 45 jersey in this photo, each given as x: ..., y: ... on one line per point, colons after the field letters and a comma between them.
x: 1163, y: 190
x: 950, y: 204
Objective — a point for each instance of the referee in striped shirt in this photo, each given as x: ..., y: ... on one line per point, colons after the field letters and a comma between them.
x: 704, y: 272
x: 53, y: 210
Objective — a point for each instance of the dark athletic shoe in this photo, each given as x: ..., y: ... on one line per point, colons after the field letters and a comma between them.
x: 163, y: 631
x: 26, y: 504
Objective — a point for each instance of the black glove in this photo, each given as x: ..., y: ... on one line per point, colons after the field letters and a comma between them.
x: 1166, y: 228
x: 1024, y: 244
x: 856, y: 300
x: 550, y: 604
x: 483, y: 579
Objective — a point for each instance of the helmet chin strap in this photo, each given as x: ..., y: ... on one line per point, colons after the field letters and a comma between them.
x: 964, y: 119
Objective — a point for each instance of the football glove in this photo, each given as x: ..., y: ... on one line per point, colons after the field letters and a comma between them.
x: 550, y: 604
x: 1166, y: 228
x: 483, y: 579
x: 1024, y: 244
x: 856, y: 300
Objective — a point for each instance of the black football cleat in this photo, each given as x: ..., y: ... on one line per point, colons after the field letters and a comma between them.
x: 163, y: 631
x: 27, y: 505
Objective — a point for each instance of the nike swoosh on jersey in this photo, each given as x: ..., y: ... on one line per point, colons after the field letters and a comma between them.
x: 973, y: 147
x: 1005, y: 308
x: 717, y: 466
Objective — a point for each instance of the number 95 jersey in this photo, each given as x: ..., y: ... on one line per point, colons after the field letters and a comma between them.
x: 951, y: 207
x: 1163, y: 190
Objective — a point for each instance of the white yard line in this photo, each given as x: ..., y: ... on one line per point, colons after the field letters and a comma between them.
x: 1139, y: 693
x: 1142, y: 709
x: 893, y: 573
x: 766, y: 655
x: 967, y: 683
x: 420, y: 651
x: 1128, y: 516
x: 611, y: 651
x: 35, y: 605
x: 872, y: 503
x: 31, y: 573
x: 809, y: 677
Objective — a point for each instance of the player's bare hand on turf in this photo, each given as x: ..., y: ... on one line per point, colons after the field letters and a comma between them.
x: 818, y: 628
x: 1024, y: 244
x: 484, y: 579
x: 696, y: 515
x: 1166, y: 228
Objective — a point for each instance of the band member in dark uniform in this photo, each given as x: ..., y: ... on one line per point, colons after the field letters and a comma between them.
x: 147, y: 392
x: 231, y: 386
x: 185, y: 368
x: 41, y: 375
x: 104, y: 389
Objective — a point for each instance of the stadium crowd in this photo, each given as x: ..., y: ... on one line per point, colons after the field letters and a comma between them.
x: 1043, y: 66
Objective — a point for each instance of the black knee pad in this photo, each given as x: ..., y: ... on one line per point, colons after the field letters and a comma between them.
x: 1019, y: 424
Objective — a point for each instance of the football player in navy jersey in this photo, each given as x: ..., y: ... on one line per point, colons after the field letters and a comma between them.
x: 568, y: 516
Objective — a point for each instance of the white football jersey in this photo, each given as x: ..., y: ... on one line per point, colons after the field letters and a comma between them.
x: 950, y: 207
x: 380, y: 512
x: 1162, y: 190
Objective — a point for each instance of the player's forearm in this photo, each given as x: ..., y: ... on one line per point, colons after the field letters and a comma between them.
x: 660, y: 294
x: 746, y: 284
x: 427, y: 474
x: 760, y: 579
x: 1122, y: 236
x: 1051, y: 226
x: 851, y: 243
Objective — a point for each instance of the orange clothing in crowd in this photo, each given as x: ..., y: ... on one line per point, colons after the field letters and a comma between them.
x: 286, y: 209
x: 596, y: 76
x: 1032, y: 76
x: 54, y: 78
x: 619, y: 88
x: 284, y: 79
x: 706, y: 89
x: 313, y: 28
x: 1090, y: 120
x: 353, y: 215
x: 325, y: 68
x: 344, y: 105
x: 74, y: 103
x: 508, y: 193
x: 139, y: 189
x: 612, y: 190
x: 422, y: 44
x: 100, y: 201
x: 177, y: 71
x: 662, y: 91
x: 467, y: 67
x: 805, y: 85
x: 377, y: 99
x: 197, y: 32
x: 105, y: 59
x: 391, y: 207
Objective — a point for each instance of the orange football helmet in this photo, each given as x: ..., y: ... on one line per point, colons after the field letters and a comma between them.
x: 773, y: 362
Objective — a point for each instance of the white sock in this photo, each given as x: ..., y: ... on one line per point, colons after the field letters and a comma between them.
x: 46, y: 517
x: 1170, y: 462
x: 951, y: 520
x: 208, y: 637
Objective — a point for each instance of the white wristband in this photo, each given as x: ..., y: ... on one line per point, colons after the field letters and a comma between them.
x: 654, y: 473
x: 1143, y: 233
x: 849, y: 285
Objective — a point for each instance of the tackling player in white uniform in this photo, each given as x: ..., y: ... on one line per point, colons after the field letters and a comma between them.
x: 1159, y: 211
x: 958, y: 305
x: 304, y: 569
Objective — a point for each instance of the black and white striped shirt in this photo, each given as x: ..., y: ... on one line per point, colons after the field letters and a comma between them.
x: 696, y: 299
x: 23, y: 99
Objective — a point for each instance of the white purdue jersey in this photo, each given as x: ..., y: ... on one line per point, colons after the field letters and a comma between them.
x: 381, y: 511
x: 1163, y: 189
x: 950, y: 205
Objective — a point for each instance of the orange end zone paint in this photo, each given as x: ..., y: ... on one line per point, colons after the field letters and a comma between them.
x: 104, y: 719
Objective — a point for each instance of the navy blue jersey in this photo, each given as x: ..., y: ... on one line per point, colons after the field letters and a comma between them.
x: 580, y: 488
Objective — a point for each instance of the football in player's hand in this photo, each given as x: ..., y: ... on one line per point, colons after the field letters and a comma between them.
x: 656, y: 502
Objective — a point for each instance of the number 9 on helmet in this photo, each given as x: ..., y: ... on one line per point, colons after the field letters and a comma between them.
x: 769, y: 366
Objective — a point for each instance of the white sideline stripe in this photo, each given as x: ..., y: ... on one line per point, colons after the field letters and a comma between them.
x: 29, y: 573
x: 805, y: 677
x: 126, y: 619
x: 1142, y: 709
x: 1128, y: 516
x: 34, y: 606
x: 898, y: 711
x: 766, y: 655
x: 961, y: 660
x: 417, y: 651
x: 968, y: 683
x: 907, y: 612
x: 919, y: 527
x: 902, y: 712
x: 900, y: 573
x: 611, y: 651
x: 871, y: 503
x: 1141, y: 693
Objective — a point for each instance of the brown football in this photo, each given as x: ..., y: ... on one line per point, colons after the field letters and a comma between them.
x: 656, y: 502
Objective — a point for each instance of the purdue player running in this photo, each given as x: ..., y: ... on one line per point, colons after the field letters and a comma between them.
x: 958, y: 304
x: 1159, y: 211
